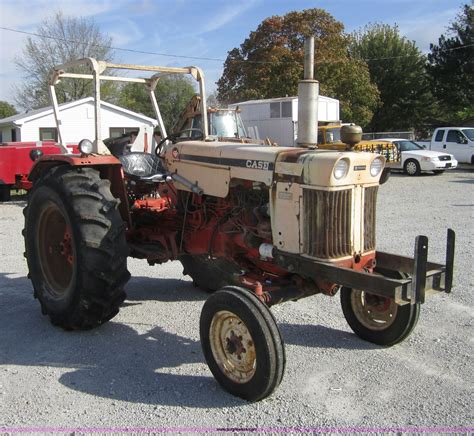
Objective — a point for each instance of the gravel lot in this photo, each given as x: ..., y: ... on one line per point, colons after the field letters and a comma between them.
x: 145, y: 369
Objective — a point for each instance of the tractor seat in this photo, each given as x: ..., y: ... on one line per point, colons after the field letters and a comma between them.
x: 142, y: 166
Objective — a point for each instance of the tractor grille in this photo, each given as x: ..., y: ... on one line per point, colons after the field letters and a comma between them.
x: 370, y: 206
x: 445, y: 157
x: 327, y: 218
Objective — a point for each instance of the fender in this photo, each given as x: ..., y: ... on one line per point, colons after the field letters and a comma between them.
x: 109, y: 168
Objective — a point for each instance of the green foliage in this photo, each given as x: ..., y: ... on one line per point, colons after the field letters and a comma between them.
x: 62, y: 39
x: 6, y: 110
x: 212, y: 100
x: 397, y: 67
x: 172, y: 94
x: 269, y: 63
x: 451, y: 68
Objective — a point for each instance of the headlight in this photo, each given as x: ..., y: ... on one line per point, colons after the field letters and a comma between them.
x: 376, y: 166
x: 340, y: 169
x: 85, y: 146
x: 35, y: 154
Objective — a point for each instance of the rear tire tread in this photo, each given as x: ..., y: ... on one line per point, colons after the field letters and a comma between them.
x: 100, y: 246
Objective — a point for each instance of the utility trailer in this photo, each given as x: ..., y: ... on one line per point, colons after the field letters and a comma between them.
x: 255, y: 225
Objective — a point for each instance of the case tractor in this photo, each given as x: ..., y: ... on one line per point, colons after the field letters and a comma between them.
x: 253, y: 224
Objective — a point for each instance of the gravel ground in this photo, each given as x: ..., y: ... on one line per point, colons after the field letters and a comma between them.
x: 145, y: 369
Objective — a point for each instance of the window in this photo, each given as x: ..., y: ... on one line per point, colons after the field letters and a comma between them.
x: 48, y: 134
x: 454, y: 136
x: 281, y: 110
x: 320, y: 136
x: 286, y: 109
x: 439, y: 136
x: 117, y: 132
x: 469, y: 133
x: 408, y: 146
x: 275, y: 110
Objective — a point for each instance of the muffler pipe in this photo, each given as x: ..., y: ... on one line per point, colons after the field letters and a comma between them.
x: 308, y: 91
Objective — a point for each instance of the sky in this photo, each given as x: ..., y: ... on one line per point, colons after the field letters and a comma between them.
x: 204, y: 28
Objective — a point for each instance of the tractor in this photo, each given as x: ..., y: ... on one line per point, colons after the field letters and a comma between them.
x: 253, y: 224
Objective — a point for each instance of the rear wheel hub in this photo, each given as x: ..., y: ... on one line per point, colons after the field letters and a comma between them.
x: 55, y: 249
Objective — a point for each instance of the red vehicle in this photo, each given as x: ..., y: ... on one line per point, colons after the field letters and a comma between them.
x: 16, y: 160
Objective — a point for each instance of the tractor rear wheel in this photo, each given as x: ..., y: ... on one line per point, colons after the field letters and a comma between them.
x: 241, y: 343
x: 75, y: 247
x: 378, y: 319
x: 5, y: 193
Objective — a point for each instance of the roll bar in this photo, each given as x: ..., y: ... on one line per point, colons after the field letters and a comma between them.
x: 97, y: 68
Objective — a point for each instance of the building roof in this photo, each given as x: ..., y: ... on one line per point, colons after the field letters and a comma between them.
x: 20, y: 119
x: 274, y: 100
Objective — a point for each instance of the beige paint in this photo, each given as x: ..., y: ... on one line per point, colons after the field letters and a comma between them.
x: 315, y: 167
x: 216, y: 183
x: 285, y: 204
x: 318, y: 168
x: 207, y: 175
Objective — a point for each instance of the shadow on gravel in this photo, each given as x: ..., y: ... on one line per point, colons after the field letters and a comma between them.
x: 112, y: 361
x: 127, y: 366
x: 159, y: 289
x: 468, y: 181
x: 318, y: 336
x: 115, y: 361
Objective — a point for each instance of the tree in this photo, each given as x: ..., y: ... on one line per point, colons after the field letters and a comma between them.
x: 269, y: 63
x: 397, y: 67
x: 212, y: 100
x: 6, y: 110
x: 62, y: 39
x: 172, y: 93
x: 451, y: 68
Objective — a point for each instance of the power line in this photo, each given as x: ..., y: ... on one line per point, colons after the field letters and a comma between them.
x: 112, y: 48
x: 208, y: 58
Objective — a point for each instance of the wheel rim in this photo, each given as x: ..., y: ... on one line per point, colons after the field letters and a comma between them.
x: 56, y: 250
x: 232, y: 346
x: 411, y: 168
x: 373, y: 312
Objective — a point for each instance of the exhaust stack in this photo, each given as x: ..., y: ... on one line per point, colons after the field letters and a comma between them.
x: 308, y: 91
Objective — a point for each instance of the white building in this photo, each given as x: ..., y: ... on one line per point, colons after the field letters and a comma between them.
x: 277, y: 118
x: 77, y: 122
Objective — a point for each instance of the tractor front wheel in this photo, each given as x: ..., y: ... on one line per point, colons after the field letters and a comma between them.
x: 378, y: 319
x: 75, y: 247
x: 241, y: 343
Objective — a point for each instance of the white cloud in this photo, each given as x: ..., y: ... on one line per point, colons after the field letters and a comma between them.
x: 427, y: 28
x: 227, y: 14
x: 25, y: 14
x: 11, y: 45
x: 124, y: 32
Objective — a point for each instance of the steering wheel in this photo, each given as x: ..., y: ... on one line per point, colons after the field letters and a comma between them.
x: 159, y: 146
x: 177, y: 137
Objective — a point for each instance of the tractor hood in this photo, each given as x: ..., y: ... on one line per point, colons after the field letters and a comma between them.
x: 212, y: 165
